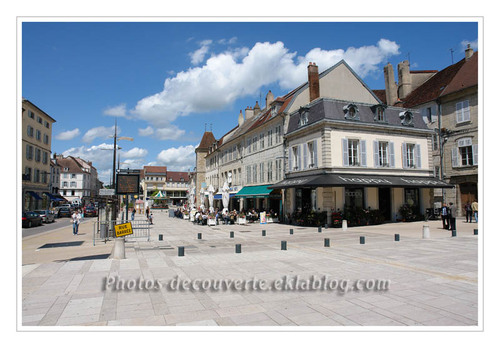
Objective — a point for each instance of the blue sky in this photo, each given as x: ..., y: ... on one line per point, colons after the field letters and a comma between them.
x: 164, y: 81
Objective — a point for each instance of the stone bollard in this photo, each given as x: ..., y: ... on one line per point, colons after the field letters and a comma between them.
x: 238, y: 248
x: 231, y: 234
x: 361, y: 240
x: 180, y: 251
x: 283, y: 245
x: 199, y: 235
x: 344, y: 225
x: 160, y: 237
x: 119, y: 249
x: 327, y: 242
x: 426, y: 232
x: 263, y: 233
x: 475, y: 231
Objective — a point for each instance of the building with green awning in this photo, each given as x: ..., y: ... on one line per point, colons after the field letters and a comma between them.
x: 260, y: 191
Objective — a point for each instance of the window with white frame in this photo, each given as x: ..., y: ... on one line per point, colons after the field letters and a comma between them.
x: 261, y: 136
x: 270, y: 137
x: 278, y: 134
x: 270, y: 171
x: 278, y: 169
x: 465, y: 153
x: 254, y: 145
x: 312, y: 156
x: 353, y: 152
x: 30, y: 131
x: 261, y: 172
x: 411, y: 155
x: 462, y: 111
x: 295, y: 157
x: 254, y: 173
x: 383, y: 154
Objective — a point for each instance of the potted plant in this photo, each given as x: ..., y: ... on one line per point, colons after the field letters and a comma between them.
x: 242, y: 219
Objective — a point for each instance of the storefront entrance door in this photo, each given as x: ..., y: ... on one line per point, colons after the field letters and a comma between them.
x: 384, y: 202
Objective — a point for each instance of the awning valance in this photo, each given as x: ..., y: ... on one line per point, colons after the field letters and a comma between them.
x: 34, y: 195
x: 254, y: 191
x: 350, y: 180
x: 219, y: 195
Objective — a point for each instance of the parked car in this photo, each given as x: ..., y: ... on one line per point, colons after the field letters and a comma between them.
x: 46, y: 215
x: 89, y: 211
x: 31, y: 219
x: 64, y: 212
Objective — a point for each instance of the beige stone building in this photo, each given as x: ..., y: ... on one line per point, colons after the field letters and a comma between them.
x: 448, y: 101
x: 35, y: 153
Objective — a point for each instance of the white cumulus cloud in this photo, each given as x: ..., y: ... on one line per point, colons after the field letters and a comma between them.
x: 68, y: 135
x: 99, y: 132
x: 199, y: 55
x: 178, y: 158
x: 241, y: 72
x: 135, y: 153
x: 117, y: 111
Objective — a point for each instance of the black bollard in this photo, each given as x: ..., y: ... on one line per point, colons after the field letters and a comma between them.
x: 160, y: 237
x: 291, y: 231
x: 326, y: 226
x: 319, y: 229
x: 475, y: 231
x: 181, y: 251
x: 283, y: 245
x: 327, y: 242
x: 361, y: 240
x: 396, y: 237
x: 238, y: 248
x: 199, y: 235
x: 453, y: 233
x: 263, y: 233
x: 231, y: 234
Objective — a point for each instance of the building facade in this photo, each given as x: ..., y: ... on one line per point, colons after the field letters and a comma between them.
x: 36, y: 154
x: 448, y: 101
x: 171, y: 187
x: 78, y: 181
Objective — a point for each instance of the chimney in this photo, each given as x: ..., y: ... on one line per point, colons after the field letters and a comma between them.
x: 468, y: 52
x: 391, y: 93
x: 241, y: 119
x: 248, y: 113
x: 404, y: 79
x: 313, y: 78
x: 269, y: 99
x: 256, y: 108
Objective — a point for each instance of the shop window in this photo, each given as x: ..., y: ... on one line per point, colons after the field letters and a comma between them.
x: 354, y: 198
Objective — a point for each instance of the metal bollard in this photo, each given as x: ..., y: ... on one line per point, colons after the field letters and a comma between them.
x: 283, y: 245
x: 426, y: 232
x: 361, y: 240
x: 263, y: 233
x: 199, y: 235
x: 319, y: 229
x: 291, y: 231
x: 326, y: 226
x: 238, y: 248
x: 396, y: 237
x: 231, y: 234
x: 475, y: 231
x: 327, y: 242
x: 160, y: 237
x: 180, y: 251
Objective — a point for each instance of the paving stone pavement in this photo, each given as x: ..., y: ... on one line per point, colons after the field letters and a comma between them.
x: 433, y: 282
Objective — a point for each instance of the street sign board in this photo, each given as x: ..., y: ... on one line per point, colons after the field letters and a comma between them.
x: 123, y: 229
x: 127, y: 184
x: 106, y: 192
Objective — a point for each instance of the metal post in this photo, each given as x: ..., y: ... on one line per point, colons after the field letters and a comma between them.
x: 238, y: 248
x: 180, y: 251
x: 199, y: 235
x: 396, y: 237
x: 231, y: 234
x: 263, y: 233
x: 327, y: 242
x: 283, y: 245
x: 291, y: 231
x: 361, y: 240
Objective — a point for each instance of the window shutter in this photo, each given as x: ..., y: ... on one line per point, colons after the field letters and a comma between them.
x: 454, y: 157
x: 405, y: 164
x: 458, y: 112
x: 290, y: 159
x: 305, y: 165
x: 434, y: 116
x: 392, y: 160
x: 375, y: 154
x: 466, y: 111
x: 299, y: 165
x: 417, y: 155
x: 315, y: 149
x: 363, y: 153
x: 345, y: 157
x: 474, y: 155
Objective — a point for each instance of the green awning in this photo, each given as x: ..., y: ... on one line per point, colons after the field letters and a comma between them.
x: 254, y: 191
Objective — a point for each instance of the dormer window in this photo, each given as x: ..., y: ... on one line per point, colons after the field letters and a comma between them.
x: 406, y: 118
x: 379, y: 113
x: 303, y: 116
x: 351, y: 112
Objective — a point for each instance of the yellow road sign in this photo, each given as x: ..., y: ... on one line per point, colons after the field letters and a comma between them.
x: 123, y: 229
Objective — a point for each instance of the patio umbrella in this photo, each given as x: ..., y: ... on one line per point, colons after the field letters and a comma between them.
x: 211, y: 191
x: 225, y: 196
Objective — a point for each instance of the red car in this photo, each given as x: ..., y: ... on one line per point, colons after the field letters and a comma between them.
x: 89, y: 211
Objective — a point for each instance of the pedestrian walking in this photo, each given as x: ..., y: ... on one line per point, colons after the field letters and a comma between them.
x: 475, y: 208
x: 444, y: 216
x: 452, y: 213
x: 147, y: 212
x: 133, y: 214
x: 151, y: 218
x: 76, y: 221
x: 468, y: 212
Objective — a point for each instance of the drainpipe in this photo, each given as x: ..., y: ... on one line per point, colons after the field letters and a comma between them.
x: 441, y: 147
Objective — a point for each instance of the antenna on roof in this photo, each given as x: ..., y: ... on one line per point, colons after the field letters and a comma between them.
x: 451, y: 50
x: 205, y: 127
